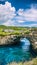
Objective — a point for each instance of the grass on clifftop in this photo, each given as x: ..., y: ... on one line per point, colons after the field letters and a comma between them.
x: 16, y: 30
x: 32, y: 62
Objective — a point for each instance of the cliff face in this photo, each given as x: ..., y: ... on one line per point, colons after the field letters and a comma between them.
x: 34, y: 42
x: 11, y: 39
x: 6, y: 40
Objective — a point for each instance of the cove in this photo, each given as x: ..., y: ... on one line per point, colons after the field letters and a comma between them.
x: 19, y: 52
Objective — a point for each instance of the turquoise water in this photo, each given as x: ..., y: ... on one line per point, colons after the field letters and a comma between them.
x: 19, y: 52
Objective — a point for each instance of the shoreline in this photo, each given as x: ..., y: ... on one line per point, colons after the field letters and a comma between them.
x: 31, y: 62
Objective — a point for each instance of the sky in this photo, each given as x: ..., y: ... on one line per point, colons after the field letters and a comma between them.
x: 18, y: 13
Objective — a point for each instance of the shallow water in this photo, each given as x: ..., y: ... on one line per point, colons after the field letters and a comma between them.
x: 19, y: 52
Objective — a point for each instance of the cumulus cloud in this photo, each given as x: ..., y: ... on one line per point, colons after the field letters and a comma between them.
x: 9, y: 15
x: 29, y: 14
x: 7, y: 12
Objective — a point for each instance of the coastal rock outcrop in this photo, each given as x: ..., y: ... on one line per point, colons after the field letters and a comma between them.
x: 11, y: 39
x: 8, y: 40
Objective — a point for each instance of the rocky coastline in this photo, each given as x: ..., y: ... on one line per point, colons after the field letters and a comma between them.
x: 8, y: 40
x: 13, y: 39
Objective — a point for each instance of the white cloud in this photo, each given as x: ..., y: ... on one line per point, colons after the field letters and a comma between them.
x: 8, y: 15
x: 28, y: 14
x: 7, y: 12
x: 32, y: 25
x: 20, y: 19
x: 8, y: 23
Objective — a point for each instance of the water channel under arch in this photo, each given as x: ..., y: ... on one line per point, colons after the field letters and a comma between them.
x: 19, y: 52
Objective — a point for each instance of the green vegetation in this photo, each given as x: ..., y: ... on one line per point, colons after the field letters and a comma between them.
x: 15, y: 30
x: 12, y: 30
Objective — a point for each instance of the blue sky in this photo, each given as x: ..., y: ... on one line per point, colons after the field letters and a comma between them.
x: 18, y: 13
